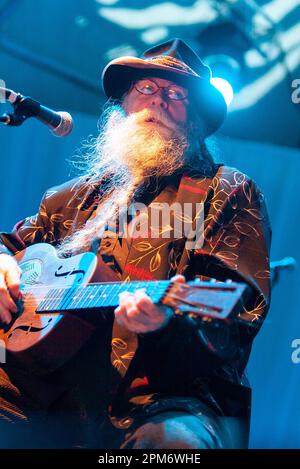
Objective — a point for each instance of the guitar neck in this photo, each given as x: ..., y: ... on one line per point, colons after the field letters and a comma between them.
x: 98, y: 295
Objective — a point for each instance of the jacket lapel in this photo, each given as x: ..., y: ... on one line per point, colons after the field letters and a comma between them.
x: 154, y: 258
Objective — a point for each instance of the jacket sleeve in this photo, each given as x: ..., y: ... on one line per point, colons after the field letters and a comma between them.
x: 58, y: 213
x: 38, y: 228
x: 236, y: 246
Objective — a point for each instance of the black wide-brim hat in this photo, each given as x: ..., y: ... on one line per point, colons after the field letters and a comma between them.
x: 173, y: 60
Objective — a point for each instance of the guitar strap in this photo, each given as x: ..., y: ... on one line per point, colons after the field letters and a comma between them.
x: 124, y: 342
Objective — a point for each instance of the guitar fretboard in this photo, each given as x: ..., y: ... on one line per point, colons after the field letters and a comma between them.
x: 100, y: 295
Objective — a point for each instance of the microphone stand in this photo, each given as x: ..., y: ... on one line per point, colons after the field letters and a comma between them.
x: 277, y: 267
x: 21, y: 110
x: 13, y: 119
x: 24, y: 107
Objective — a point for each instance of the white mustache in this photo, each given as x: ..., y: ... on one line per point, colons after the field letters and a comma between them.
x: 147, y: 115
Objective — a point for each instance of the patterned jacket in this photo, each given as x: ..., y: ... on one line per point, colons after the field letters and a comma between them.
x: 186, y: 357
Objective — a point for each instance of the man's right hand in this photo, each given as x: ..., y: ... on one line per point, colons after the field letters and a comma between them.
x: 10, y: 274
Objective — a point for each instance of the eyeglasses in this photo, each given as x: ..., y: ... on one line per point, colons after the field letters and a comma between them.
x: 149, y: 87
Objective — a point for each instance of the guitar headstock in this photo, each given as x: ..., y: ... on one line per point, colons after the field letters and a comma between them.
x: 208, y: 300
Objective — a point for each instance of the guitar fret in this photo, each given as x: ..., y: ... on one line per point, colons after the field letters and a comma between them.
x: 159, y: 290
x: 48, y: 299
x: 123, y: 287
x: 70, y: 299
x: 131, y: 287
x: 88, y: 295
x: 73, y: 299
x: 98, y: 295
x: 57, y: 302
x: 85, y: 295
x: 41, y: 304
x: 111, y: 299
x: 115, y: 298
x: 197, y: 299
x: 102, y: 298
x: 82, y: 297
x: 95, y: 297
x: 92, y: 293
x: 78, y: 298
x: 112, y: 295
x: 99, y: 298
x: 80, y: 292
x: 66, y: 297
x: 51, y: 299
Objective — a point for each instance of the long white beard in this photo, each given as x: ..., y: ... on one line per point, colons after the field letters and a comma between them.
x: 128, y: 150
x: 142, y: 148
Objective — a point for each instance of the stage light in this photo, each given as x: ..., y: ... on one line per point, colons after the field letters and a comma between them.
x: 222, y: 47
x: 224, y: 87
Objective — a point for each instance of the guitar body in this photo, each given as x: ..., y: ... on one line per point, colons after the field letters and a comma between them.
x: 63, y: 300
x: 45, y: 342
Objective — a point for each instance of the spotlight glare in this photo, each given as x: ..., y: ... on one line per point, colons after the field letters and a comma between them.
x: 224, y: 87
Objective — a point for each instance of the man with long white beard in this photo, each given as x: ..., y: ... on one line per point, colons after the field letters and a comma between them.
x: 147, y: 378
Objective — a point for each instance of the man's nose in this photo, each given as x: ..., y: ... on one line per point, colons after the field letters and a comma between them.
x: 159, y: 99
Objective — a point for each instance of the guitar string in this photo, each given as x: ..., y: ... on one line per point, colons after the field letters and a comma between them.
x: 215, y: 312
x: 33, y: 300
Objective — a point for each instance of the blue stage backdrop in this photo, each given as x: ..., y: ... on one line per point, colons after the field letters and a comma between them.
x: 32, y: 160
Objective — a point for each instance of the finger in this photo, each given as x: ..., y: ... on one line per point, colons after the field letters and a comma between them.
x: 144, y: 303
x: 144, y: 323
x: 124, y: 296
x: 130, y: 323
x: 5, y: 316
x: 120, y: 312
x: 152, y: 315
x: 138, y: 313
x: 12, y: 278
x: 5, y: 298
x: 138, y: 316
x: 129, y: 309
x: 126, y: 300
x: 178, y: 278
x: 119, y: 315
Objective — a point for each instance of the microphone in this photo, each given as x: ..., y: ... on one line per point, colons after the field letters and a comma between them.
x: 287, y: 263
x: 277, y: 267
x: 59, y: 122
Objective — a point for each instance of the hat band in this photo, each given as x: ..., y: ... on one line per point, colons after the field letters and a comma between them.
x: 169, y: 61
